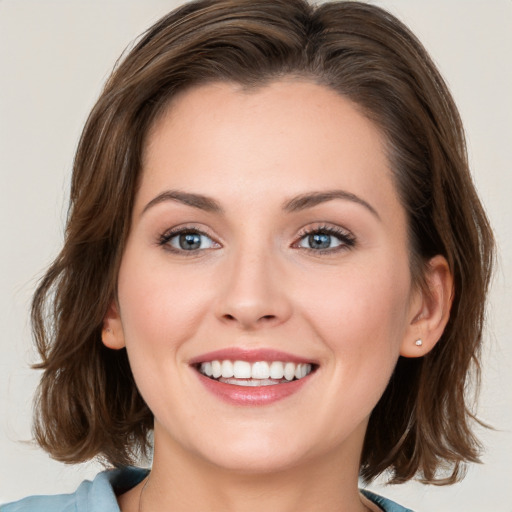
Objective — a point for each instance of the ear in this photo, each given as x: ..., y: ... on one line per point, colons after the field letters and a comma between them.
x: 430, y: 309
x: 112, y: 333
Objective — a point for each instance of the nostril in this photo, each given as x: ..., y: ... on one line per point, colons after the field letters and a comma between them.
x: 262, y: 319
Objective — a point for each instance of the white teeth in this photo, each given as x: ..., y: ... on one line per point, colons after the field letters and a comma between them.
x: 259, y: 373
x: 260, y: 370
x: 276, y: 370
x: 216, y: 369
x: 289, y: 371
x: 227, y: 369
x: 207, y: 369
x: 251, y: 382
x: 241, y: 370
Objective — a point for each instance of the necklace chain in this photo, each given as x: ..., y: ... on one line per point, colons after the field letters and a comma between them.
x: 141, y: 493
x: 147, y: 481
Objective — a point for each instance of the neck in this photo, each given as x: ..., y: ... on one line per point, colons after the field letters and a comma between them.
x: 181, y: 481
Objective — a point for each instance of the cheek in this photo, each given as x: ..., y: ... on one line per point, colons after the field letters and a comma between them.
x: 359, y: 298
x: 160, y: 307
x: 161, y: 310
x: 361, y: 315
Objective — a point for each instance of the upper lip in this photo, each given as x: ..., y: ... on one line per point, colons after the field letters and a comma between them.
x: 250, y: 355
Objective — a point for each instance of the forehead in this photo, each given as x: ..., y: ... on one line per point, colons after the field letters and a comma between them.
x: 287, y: 137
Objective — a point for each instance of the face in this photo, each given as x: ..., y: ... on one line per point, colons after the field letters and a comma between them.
x: 267, y: 243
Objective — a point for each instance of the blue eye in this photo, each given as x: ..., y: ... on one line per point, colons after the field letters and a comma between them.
x: 326, y: 239
x: 188, y: 240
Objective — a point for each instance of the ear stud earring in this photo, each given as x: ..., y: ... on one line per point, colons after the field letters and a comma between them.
x: 418, y: 342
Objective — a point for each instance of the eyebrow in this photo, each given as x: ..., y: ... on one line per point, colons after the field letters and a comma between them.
x: 195, y: 200
x: 309, y: 200
x: 297, y: 203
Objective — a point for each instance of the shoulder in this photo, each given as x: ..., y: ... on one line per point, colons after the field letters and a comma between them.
x: 57, y: 503
x: 385, y: 504
x: 98, y: 494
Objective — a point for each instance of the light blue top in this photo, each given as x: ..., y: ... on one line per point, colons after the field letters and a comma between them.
x: 100, y: 495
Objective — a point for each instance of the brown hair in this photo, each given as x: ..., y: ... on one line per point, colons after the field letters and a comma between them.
x: 88, y: 404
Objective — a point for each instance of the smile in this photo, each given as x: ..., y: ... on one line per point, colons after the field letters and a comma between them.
x: 253, y: 377
x: 258, y: 373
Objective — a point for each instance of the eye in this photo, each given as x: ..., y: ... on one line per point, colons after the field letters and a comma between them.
x: 326, y: 239
x: 188, y: 240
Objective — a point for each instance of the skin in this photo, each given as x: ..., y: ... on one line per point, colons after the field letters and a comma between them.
x: 352, y: 309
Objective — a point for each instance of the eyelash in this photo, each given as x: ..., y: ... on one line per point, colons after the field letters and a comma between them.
x: 166, y: 237
x: 346, y: 239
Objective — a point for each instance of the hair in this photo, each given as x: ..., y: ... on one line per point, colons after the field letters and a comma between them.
x: 87, y: 403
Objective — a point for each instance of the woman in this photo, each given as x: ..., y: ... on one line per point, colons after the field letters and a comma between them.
x: 275, y: 262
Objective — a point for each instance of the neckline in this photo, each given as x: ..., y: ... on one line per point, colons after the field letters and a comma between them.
x: 126, y: 478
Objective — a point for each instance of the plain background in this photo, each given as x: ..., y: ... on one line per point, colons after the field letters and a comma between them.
x: 54, y: 57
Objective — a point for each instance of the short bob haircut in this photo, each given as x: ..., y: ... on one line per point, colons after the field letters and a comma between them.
x: 87, y: 404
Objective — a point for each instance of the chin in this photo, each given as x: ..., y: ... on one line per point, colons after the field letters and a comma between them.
x: 267, y: 451
x: 255, y: 460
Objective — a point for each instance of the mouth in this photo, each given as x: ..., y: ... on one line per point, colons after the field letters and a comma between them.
x: 254, y: 374
x: 253, y: 377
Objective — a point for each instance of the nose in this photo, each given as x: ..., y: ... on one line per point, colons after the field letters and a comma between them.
x: 253, y: 294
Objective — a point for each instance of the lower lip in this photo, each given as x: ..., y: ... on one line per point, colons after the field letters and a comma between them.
x: 247, y: 395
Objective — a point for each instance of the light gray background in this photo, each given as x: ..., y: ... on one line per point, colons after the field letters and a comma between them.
x: 54, y: 57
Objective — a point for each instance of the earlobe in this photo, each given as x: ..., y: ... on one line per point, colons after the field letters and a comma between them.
x: 430, y: 310
x: 112, y: 333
